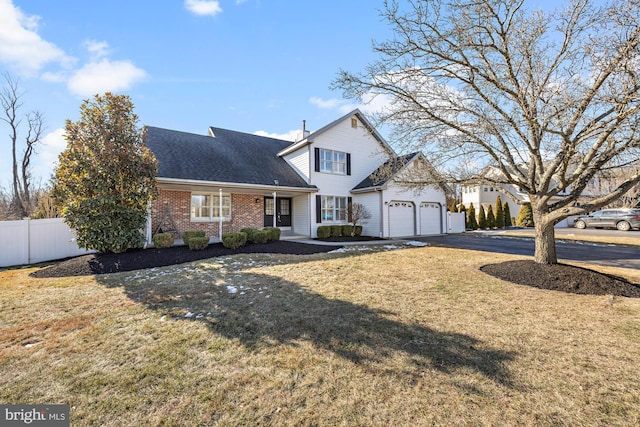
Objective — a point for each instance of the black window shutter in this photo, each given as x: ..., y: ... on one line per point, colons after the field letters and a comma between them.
x: 316, y: 159
x: 349, y: 208
x: 318, y: 208
x: 348, y: 164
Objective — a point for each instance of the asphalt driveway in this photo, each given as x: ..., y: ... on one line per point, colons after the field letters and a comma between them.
x: 593, y: 253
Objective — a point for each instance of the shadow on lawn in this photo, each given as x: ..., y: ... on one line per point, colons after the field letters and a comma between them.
x: 265, y: 311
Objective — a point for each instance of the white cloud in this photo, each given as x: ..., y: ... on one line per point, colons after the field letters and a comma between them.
x: 292, y: 135
x: 372, y: 104
x: 330, y: 104
x: 96, y: 49
x: 53, y: 144
x: 203, y: 7
x: 104, y: 76
x: 20, y: 44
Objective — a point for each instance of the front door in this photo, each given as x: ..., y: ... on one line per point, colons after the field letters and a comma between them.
x: 281, y: 209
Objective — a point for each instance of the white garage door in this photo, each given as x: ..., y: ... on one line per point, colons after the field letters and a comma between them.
x: 401, y: 219
x: 430, y: 214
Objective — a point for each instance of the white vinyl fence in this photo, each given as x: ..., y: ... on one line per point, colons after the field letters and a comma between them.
x: 455, y: 222
x: 36, y: 240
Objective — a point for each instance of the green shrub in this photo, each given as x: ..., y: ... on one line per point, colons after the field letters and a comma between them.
x: 187, y: 235
x: 347, y: 229
x: 324, y: 231
x: 358, y: 230
x: 163, y: 240
x: 198, y: 243
x: 274, y: 233
x: 525, y: 216
x: 250, y: 232
x: 260, y: 236
x: 234, y: 240
x: 336, y: 231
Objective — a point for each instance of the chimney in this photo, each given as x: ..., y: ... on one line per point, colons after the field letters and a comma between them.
x: 305, y: 133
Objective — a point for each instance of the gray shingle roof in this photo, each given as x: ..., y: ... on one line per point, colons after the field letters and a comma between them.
x: 385, y: 172
x: 229, y: 156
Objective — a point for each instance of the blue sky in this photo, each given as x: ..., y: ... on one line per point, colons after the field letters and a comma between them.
x: 246, y: 65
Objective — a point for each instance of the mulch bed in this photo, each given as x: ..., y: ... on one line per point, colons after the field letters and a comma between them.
x: 559, y: 277
x: 148, y: 258
x: 562, y: 277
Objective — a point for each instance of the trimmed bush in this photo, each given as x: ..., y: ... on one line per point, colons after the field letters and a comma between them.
x: 187, y: 235
x: 324, y: 231
x: 336, y: 231
x: 260, y: 236
x: 274, y: 233
x: 163, y: 240
x: 198, y: 243
x: 347, y: 229
x: 250, y: 232
x: 358, y: 230
x: 234, y: 240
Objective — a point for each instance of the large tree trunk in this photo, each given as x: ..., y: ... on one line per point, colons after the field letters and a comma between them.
x: 545, y: 249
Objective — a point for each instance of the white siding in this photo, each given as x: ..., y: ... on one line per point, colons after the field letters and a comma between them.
x: 371, y: 201
x: 299, y: 161
x: 300, y: 223
x: 366, y: 155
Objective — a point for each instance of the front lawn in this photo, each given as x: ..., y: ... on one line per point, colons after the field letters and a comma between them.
x: 415, y: 336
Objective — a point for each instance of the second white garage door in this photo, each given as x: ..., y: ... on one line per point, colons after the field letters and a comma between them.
x: 430, y: 214
x: 402, y: 219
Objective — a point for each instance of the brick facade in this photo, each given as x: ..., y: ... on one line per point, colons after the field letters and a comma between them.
x: 245, y: 212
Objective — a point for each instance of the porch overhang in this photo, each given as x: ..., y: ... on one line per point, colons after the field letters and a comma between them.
x: 232, y: 187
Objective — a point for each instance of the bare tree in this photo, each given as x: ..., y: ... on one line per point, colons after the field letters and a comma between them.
x: 550, y: 98
x: 21, y: 196
x: 357, y: 214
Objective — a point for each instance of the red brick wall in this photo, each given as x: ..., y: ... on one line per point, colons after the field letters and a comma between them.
x: 245, y: 212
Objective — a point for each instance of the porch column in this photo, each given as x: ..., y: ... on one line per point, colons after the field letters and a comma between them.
x: 220, y: 214
x: 275, y: 210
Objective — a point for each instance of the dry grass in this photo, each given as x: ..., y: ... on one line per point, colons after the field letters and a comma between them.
x: 625, y: 238
x: 405, y: 337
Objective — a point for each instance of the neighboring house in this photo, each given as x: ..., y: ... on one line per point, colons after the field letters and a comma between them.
x: 485, y: 195
x: 227, y: 180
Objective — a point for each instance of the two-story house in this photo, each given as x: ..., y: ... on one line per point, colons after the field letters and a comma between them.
x: 227, y: 180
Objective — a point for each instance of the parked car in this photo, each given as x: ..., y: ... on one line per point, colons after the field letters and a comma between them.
x: 620, y: 218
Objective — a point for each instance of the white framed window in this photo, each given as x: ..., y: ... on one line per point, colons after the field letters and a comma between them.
x: 334, y: 209
x: 206, y: 207
x: 333, y: 161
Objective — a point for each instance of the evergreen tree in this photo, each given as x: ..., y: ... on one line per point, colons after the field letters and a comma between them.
x: 499, y: 213
x: 471, y: 217
x: 491, y: 219
x: 106, y: 176
x: 525, y: 216
x: 507, y: 215
x: 482, y: 219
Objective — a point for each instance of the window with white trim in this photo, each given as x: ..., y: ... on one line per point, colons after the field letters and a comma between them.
x: 206, y: 207
x: 333, y: 161
x: 334, y: 209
